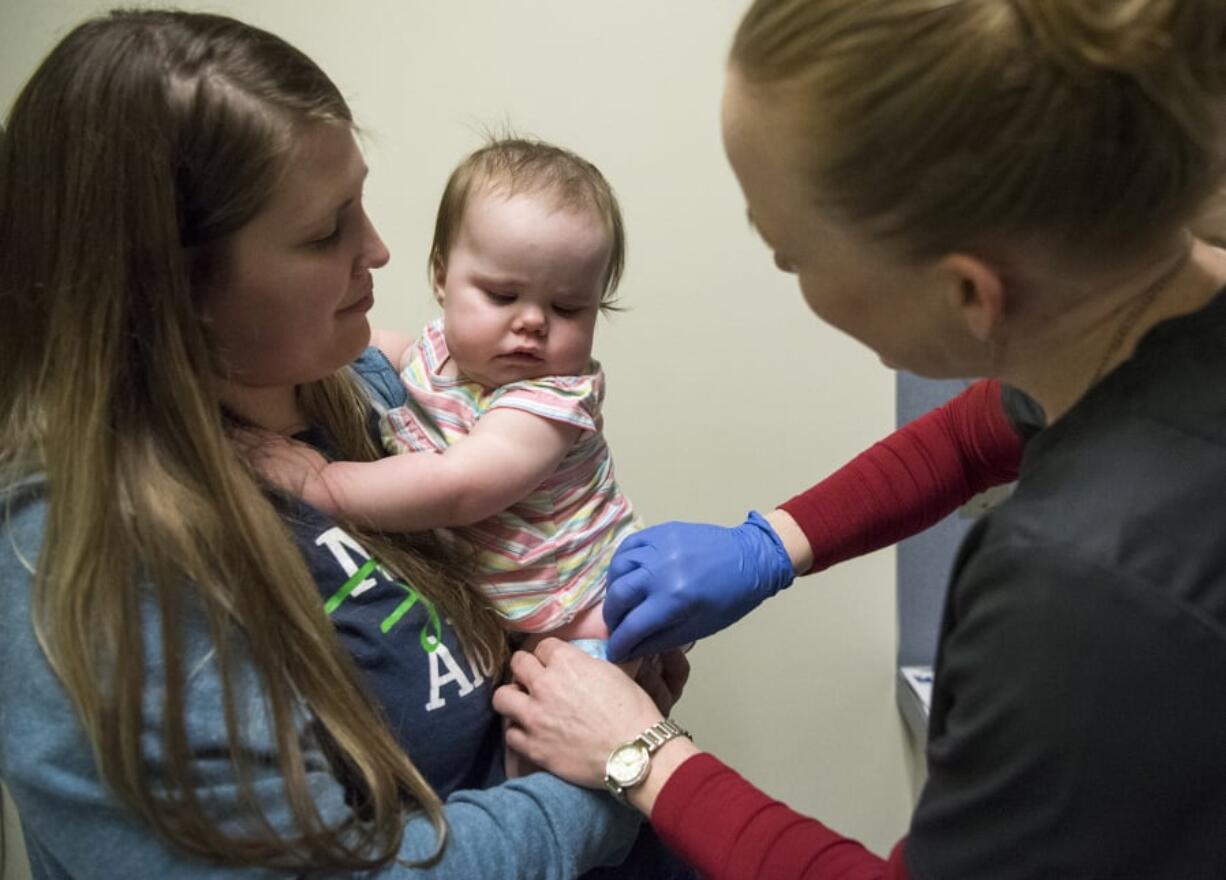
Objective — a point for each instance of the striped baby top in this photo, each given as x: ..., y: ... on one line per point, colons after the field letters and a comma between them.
x: 543, y: 559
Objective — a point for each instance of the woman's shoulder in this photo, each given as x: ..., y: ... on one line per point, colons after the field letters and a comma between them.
x: 380, y: 379
x: 23, y: 515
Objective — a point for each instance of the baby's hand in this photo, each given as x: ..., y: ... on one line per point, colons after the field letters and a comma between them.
x: 663, y: 676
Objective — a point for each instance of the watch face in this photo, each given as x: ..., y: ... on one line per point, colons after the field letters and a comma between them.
x: 628, y: 764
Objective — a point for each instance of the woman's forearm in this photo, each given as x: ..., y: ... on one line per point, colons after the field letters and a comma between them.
x: 664, y: 764
x: 727, y: 828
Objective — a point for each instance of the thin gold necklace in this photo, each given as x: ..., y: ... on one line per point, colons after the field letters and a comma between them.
x: 1140, y: 306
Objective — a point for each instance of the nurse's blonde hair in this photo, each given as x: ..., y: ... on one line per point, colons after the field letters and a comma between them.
x: 1089, y: 127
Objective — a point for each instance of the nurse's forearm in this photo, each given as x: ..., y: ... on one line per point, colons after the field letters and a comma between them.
x: 794, y: 540
x: 663, y: 764
x: 909, y: 480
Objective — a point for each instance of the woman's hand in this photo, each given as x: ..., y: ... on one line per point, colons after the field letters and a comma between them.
x: 567, y: 711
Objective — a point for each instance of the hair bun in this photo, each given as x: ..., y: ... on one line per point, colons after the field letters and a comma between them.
x: 1154, y: 41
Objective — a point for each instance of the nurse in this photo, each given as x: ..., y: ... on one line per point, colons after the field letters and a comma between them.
x: 1002, y: 188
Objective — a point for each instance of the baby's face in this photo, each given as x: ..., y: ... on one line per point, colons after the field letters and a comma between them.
x: 522, y: 287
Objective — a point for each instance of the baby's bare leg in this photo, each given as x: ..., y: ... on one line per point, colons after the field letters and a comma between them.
x: 588, y: 625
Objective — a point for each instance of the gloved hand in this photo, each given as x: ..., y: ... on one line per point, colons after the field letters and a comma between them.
x: 674, y: 583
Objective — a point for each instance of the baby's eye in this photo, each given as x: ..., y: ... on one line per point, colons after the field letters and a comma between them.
x: 501, y: 299
x: 567, y: 311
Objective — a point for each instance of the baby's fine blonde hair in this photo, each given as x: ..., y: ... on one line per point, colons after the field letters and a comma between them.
x: 513, y: 166
x: 1089, y: 127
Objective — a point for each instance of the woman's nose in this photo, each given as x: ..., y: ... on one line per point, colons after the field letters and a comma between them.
x: 374, y: 253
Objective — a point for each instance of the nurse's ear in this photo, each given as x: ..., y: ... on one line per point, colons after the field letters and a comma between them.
x: 977, y: 293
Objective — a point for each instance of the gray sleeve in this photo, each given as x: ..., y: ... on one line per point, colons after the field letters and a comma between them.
x: 1076, y: 727
x: 537, y: 827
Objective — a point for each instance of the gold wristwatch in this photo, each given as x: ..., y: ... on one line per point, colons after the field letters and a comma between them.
x: 629, y: 763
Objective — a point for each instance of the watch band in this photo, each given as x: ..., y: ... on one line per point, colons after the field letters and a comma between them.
x: 660, y: 733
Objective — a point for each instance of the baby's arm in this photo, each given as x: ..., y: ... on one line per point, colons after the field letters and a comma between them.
x: 394, y: 345
x: 508, y: 454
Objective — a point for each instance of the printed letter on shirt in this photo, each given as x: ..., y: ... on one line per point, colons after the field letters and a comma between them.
x: 440, y: 657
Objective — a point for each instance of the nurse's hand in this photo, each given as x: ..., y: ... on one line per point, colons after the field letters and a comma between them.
x: 675, y: 583
x: 566, y: 711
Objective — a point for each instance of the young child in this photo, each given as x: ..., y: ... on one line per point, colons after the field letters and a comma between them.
x: 502, y: 433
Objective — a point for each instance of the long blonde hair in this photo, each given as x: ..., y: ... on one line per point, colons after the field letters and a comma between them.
x: 1091, y: 127
x: 142, y: 142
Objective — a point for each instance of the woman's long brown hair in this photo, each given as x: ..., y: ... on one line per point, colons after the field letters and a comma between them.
x: 142, y: 142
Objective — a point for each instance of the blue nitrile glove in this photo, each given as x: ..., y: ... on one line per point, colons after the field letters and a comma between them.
x: 675, y: 583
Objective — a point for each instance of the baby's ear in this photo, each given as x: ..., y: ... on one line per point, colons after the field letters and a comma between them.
x: 438, y: 278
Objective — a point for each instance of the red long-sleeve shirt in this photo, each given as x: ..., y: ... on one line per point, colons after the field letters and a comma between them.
x: 710, y: 815
x: 912, y: 479
x: 726, y: 828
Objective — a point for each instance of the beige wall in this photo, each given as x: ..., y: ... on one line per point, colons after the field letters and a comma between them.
x: 724, y: 393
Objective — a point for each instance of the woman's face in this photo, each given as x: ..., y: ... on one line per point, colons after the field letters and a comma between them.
x: 298, y: 286
x: 900, y: 311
